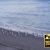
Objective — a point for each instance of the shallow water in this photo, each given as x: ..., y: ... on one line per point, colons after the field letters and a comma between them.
x: 29, y: 16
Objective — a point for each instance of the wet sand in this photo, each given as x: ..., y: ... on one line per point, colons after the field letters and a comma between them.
x: 11, y: 40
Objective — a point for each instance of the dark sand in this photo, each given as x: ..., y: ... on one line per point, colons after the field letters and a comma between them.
x: 13, y: 41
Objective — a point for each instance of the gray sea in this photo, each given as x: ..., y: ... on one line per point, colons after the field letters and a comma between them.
x: 32, y: 16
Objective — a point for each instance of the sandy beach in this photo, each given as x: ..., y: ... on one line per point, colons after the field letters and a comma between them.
x: 11, y: 40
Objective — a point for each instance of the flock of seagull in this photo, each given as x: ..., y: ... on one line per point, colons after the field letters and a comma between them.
x: 19, y: 33
x: 11, y: 32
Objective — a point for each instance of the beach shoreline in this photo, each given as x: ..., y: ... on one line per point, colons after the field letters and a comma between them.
x: 20, y: 40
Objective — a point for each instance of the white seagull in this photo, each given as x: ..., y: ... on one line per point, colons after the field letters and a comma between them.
x: 26, y: 34
x: 12, y: 33
x: 7, y: 34
x: 15, y: 35
x: 2, y: 30
x: 19, y: 33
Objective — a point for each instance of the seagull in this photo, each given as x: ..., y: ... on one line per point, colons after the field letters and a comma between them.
x: 2, y: 30
x: 7, y: 34
x: 26, y: 34
x: 15, y: 35
x: 12, y: 33
x: 19, y: 33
